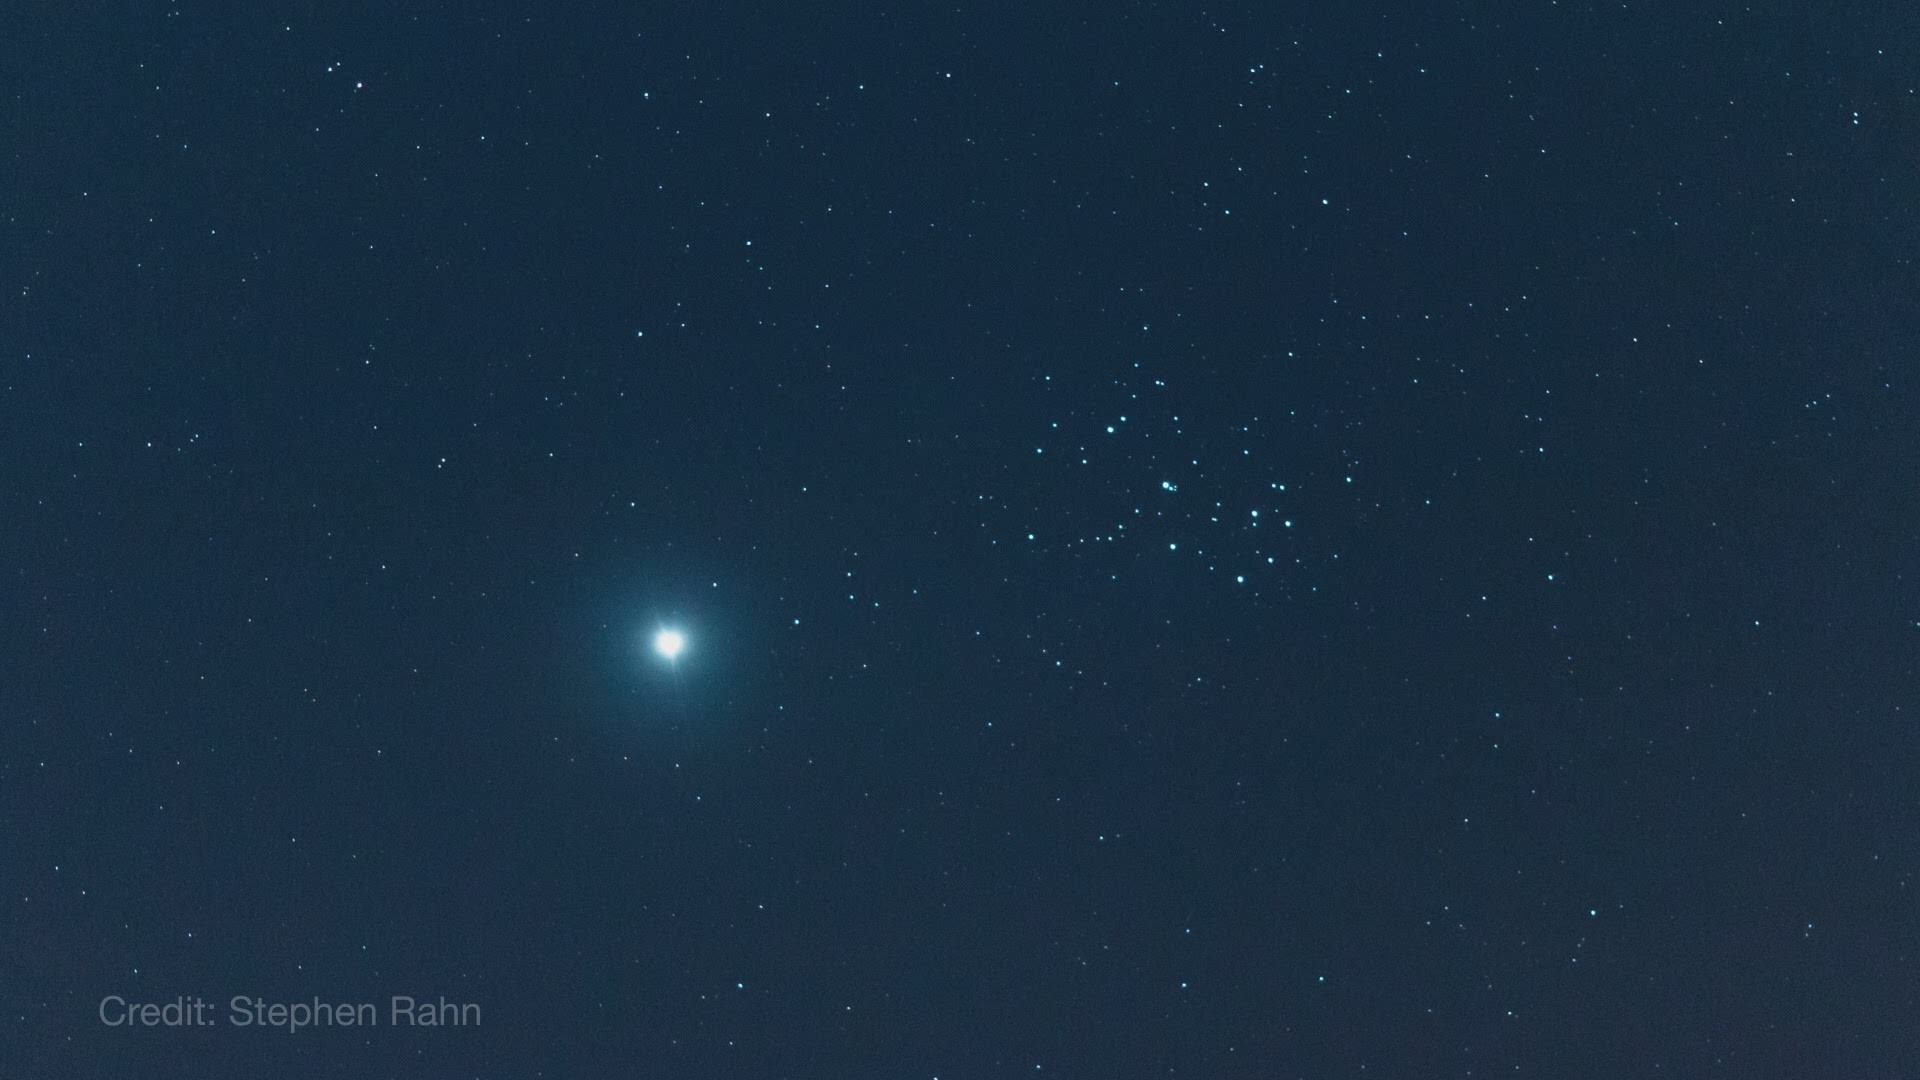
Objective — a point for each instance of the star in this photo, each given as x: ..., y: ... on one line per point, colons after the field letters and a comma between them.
x: 668, y: 643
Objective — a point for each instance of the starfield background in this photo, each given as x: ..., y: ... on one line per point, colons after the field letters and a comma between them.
x: 1211, y: 540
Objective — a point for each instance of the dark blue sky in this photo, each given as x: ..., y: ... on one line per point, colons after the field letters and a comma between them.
x: 1214, y: 541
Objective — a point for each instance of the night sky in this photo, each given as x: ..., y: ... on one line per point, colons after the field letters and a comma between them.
x: 1217, y: 541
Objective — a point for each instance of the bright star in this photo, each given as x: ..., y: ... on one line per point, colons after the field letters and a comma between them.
x: 668, y: 643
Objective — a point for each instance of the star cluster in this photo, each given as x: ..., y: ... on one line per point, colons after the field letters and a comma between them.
x: 1246, y: 542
